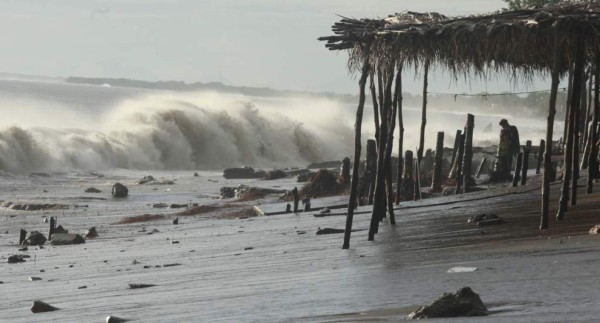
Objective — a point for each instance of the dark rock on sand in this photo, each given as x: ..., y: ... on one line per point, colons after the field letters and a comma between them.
x: 242, y: 173
x: 59, y: 229
x: 227, y: 192
x: 146, y: 179
x: 14, y: 259
x: 41, y: 307
x: 160, y: 205
x: 305, y: 177
x: 35, y: 239
x: 136, y: 286
x: 59, y: 239
x: 323, y: 183
x: 91, y: 233
x: 33, y: 279
x: 329, y: 231
x: 176, y: 221
x: 326, y: 164
x: 33, y: 206
x: 92, y: 190
x: 153, y: 181
x: 178, y: 206
x: 485, y: 219
x: 275, y: 174
x: 114, y: 319
x: 465, y: 302
x: 119, y: 190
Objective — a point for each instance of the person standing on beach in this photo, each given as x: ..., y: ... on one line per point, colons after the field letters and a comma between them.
x: 508, y: 148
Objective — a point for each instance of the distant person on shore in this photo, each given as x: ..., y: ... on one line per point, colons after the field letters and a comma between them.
x: 508, y: 148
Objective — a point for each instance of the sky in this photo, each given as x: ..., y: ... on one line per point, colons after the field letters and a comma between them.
x: 264, y: 43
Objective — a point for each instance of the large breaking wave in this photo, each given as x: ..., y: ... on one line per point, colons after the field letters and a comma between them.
x: 183, y: 131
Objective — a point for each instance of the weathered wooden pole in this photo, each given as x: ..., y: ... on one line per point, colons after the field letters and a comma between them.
x: 22, y: 236
x: 408, y: 189
x: 459, y: 158
x: 436, y: 183
x: 400, y: 99
x: 375, y: 109
x: 468, y: 154
x: 371, y: 167
x: 423, y: 121
x: 518, y: 169
x: 346, y: 171
x: 593, y: 136
x: 453, y: 164
x: 481, y: 166
x: 576, y: 137
x: 390, y: 141
x: 417, y: 195
x: 540, y: 156
x: 548, y: 168
x: 52, y: 227
x: 569, y: 97
x: 357, y: 148
x: 526, y: 152
x: 297, y: 198
x: 575, y: 101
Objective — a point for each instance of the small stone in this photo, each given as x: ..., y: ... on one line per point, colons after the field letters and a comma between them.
x: 91, y: 233
x: 119, y: 190
x: 17, y: 258
x: 23, y: 249
x: 42, y: 270
x: 325, y: 210
x: 171, y: 265
x: 135, y: 262
x: 329, y: 231
x: 176, y: 221
x: 32, y: 279
x: 160, y: 205
x: 41, y: 307
x: 92, y: 190
x: 248, y: 248
x: 174, y: 242
x: 114, y: 319
x: 35, y: 239
x: 82, y: 287
x: 465, y: 302
x: 136, y: 286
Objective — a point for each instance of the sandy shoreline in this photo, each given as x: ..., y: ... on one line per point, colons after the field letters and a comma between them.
x: 276, y: 269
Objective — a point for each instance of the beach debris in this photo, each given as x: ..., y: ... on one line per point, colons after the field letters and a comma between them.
x: 460, y: 269
x: 33, y: 206
x: 247, y: 193
x: 178, y: 206
x: 275, y: 174
x: 323, y: 183
x: 160, y: 205
x: 23, y: 249
x: 248, y: 248
x: 59, y: 229
x: 32, y: 279
x: 325, y: 210
x: 22, y: 236
x: 595, y: 229
x: 82, y: 287
x: 485, y: 219
x: 114, y: 319
x: 242, y: 173
x: 171, y: 265
x: 176, y: 221
x: 329, y: 231
x: 41, y: 307
x: 119, y: 190
x: 196, y: 174
x: 465, y: 302
x: 59, y: 239
x: 288, y: 208
x: 137, y: 286
x: 92, y: 190
x: 91, y: 233
x: 325, y: 164
x: 135, y: 262
x: 305, y: 177
x: 35, y: 238
x: 146, y: 179
x: 14, y: 259
x: 306, y: 203
x: 227, y: 192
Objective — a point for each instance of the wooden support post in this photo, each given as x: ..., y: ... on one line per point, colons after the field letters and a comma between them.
x: 408, y: 188
x: 436, y: 183
x: 52, y: 227
x: 417, y: 181
x: 306, y: 203
x: 346, y: 171
x: 575, y: 101
x: 526, y: 152
x: 423, y: 116
x: 468, y: 154
x: 518, y: 169
x: 397, y: 94
x: 296, y: 199
x: 459, y: 158
x: 400, y: 99
x: 576, y: 137
x: 357, y: 148
x: 22, y: 236
x: 453, y: 164
x: 481, y: 166
x: 371, y: 167
x: 540, y: 156
x: 593, y: 136
x: 548, y: 167
x: 375, y: 110
x: 288, y: 208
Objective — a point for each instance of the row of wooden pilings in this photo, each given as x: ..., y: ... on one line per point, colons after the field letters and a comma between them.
x: 387, y: 105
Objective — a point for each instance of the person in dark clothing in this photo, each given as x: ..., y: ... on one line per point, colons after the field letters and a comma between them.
x: 508, y: 148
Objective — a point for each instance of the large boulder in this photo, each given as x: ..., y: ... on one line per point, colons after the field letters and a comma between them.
x: 465, y: 302
x: 41, y: 307
x: 275, y: 174
x: 59, y: 239
x: 119, y: 190
x: 242, y: 173
x: 35, y: 239
x: 323, y: 183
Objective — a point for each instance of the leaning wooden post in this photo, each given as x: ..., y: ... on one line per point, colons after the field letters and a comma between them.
x: 548, y: 171
x: 407, y: 177
x: 540, y: 156
x: 346, y: 172
x: 481, y: 166
x: 390, y: 144
x: 518, y: 169
x: 436, y: 183
x: 459, y: 158
x: 468, y: 154
x: 357, y: 147
x: 423, y: 118
x: 593, y: 135
x: 575, y: 101
x: 371, y: 167
x: 296, y: 198
x: 400, y: 98
x: 22, y: 236
x: 576, y: 128
x: 417, y: 190
x: 526, y: 152
x: 52, y: 227
x: 375, y: 108
x: 453, y: 164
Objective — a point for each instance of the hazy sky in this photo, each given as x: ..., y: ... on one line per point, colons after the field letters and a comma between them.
x: 239, y: 42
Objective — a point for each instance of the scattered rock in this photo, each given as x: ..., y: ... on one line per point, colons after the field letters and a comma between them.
x: 153, y: 181
x: 323, y: 183
x: 35, y: 239
x: 178, y: 206
x: 92, y: 190
x: 325, y: 210
x: 242, y: 173
x: 146, y: 179
x: 465, y: 302
x: 595, y: 229
x: 275, y: 174
x: 32, y: 279
x: 329, y: 231
x: 59, y: 229
x: 91, y: 233
x: 135, y: 262
x: 114, y: 319
x: 41, y: 307
x: 34, y: 206
x: 160, y: 205
x: 176, y: 221
x: 196, y: 175
x: 485, y: 219
x: 248, y: 248
x: 305, y: 177
x: 82, y: 287
x: 119, y: 190
x: 227, y: 192
x: 17, y: 259
x: 461, y: 270
x: 326, y: 164
x: 23, y: 249
x: 59, y: 239
x: 136, y: 286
